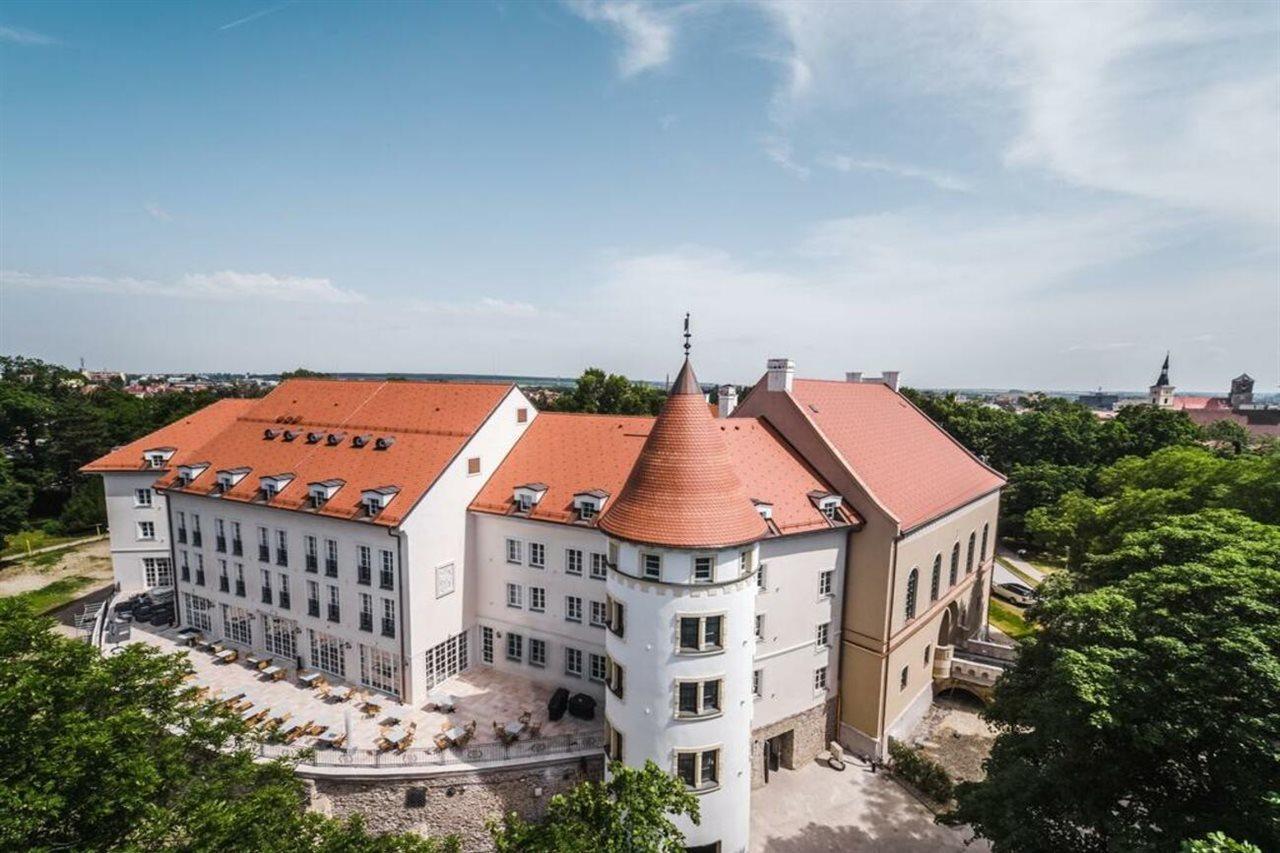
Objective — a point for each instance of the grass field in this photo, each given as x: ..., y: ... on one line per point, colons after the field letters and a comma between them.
x: 1009, y: 620
x: 56, y: 594
x: 19, y: 543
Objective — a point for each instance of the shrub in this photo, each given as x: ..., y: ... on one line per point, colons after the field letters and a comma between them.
x: 921, y: 771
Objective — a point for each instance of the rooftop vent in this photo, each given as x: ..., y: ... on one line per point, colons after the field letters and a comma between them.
x: 360, y: 440
x: 314, y: 437
x: 269, y: 434
x: 334, y: 438
x: 291, y: 434
x: 384, y: 442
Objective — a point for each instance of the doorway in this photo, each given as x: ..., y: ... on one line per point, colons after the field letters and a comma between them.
x: 779, y: 753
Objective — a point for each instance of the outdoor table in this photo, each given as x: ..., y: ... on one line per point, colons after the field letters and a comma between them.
x: 310, y: 679
x: 442, y: 701
x: 344, y: 693
x: 189, y: 636
x: 396, y: 734
x: 250, y: 712
x: 513, y: 729
x: 275, y: 672
x: 258, y: 662
x: 455, y: 734
x: 227, y: 655
x: 331, y: 738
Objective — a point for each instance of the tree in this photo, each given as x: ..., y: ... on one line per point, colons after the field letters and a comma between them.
x: 630, y: 811
x: 87, y: 505
x: 15, y: 501
x: 1216, y: 842
x: 610, y: 394
x: 1145, y: 710
x: 118, y: 752
x: 1229, y: 435
x: 302, y: 373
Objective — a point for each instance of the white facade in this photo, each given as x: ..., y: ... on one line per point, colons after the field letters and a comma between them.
x: 139, y: 528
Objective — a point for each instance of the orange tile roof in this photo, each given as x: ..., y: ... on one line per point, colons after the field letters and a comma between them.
x: 911, y: 466
x: 429, y: 422
x: 182, y: 435
x: 684, y: 491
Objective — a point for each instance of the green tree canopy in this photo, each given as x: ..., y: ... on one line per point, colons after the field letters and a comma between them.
x: 610, y: 394
x: 631, y: 811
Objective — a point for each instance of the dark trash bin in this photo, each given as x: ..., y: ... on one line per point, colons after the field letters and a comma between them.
x: 557, y: 704
x: 582, y: 706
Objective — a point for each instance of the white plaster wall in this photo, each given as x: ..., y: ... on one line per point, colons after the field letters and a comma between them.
x: 127, y: 550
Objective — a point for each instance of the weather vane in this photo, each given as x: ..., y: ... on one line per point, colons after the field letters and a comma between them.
x: 686, y: 334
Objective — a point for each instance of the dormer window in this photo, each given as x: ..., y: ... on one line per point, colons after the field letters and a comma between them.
x: 229, y: 478
x: 360, y: 440
x: 188, y: 473
x: 376, y: 500
x: 320, y: 493
x: 590, y: 504
x: 526, y: 497
x: 157, y: 457
x: 827, y: 503
x: 764, y: 508
x: 271, y: 486
x: 384, y: 442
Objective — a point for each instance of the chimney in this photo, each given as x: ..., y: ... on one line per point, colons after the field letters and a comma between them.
x: 853, y: 376
x: 890, y: 378
x: 781, y: 372
x: 728, y: 397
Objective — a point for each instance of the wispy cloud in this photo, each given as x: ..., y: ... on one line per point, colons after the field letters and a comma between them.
x: 485, y: 306
x: 155, y: 211
x: 17, y: 35
x: 778, y: 149
x: 647, y: 31
x: 218, y: 286
x: 1106, y: 346
x: 941, y: 180
x: 261, y: 13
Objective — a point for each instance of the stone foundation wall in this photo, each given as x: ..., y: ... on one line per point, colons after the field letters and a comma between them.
x: 812, y: 731
x: 452, y: 803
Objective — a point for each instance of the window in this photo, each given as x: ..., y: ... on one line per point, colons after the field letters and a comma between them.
x: 515, y: 646
x: 326, y: 654
x: 703, y: 569
x: 698, y: 698
x: 237, y: 545
x: 387, y: 569
x: 279, y: 637
x: 935, y: 581
x: 515, y: 595
x: 366, y: 612
x: 331, y: 558
x: 195, y: 530
x: 599, y: 670
x: 599, y: 566
x: 613, y: 677
x: 757, y: 683
x: 313, y: 599
x: 146, y: 530
x: 264, y: 545
x: 364, y: 565
x: 284, y: 601
x: 825, y: 580
x: 573, y: 608
x: 831, y: 509
x: 902, y: 680
x: 762, y: 585
x: 240, y: 591
x: 701, y: 633
x: 968, y: 563
x: 572, y: 561
x: 537, y: 555
x: 182, y: 527
x: 282, y: 548
x: 613, y: 615
x: 913, y: 580
x: 652, y: 566
x: 237, y: 625
x: 185, y: 564
x: 927, y: 651
x: 586, y: 510
x: 522, y: 416
x: 388, y: 617
x: 380, y: 670
x: 699, y: 770
x: 200, y: 569
x: 537, y: 599
x: 266, y: 586
x: 612, y: 742
x: 514, y: 551
x: 599, y: 615
x: 473, y: 465
x: 744, y: 564
x: 142, y: 497
x: 524, y: 503
x: 760, y: 627
x: 573, y: 662
x: 197, y: 610
x: 310, y: 555
x: 537, y: 652
x: 335, y: 612
x: 219, y: 535
x: 158, y: 570
x: 820, y: 679
x: 824, y: 634
x: 486, y: 644
x: 986, y: 528
x: 224, y: 581
x: 955, y: 564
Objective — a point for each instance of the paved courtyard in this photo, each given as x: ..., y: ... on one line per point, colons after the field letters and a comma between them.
x: 482, y: 694
x: 817, y: 809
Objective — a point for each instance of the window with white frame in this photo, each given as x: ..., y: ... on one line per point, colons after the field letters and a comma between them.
x: 146, y: 530
x: 514, y: 551
x: 327, y: 653
x: 825, y: 580
x: 537, y: 555
x: 573, y: 661
x: 760, y: 626
x: 824, y: 634
x: 698, y: 698
x: 515, y: 646
x: 572, y: 561
x: 701, y: 633
x: 703, y: 569
x: 599, y: 566
x: 486, y: 644
x: 757, y: 683
x: 651, y: 566
x: 237, y: 625
x: 380, y: 669
x: 366, y: 612
x: 388, y: 617
x: 613, y: 676
x: 197, y: 610
x: 279, y: 636
x: 158, y: 571
x: 700, y: 769
x: 142, y: 497
x: 573, y: 608
x: 599, y: 614
x: 820, y: 678
x: 537, y: 599
x: 515, y: 595
x: 184, y: 562
x: 744, y: 564
x: 387, y: 569
x: 599, y: 669
x: 364, y: 565
x: 761, y: 581
x: 614, y: 615
x: 537, y: 652
x: 613, y: 742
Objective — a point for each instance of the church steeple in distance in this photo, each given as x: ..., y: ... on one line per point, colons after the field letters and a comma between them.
x: 1164, y: 371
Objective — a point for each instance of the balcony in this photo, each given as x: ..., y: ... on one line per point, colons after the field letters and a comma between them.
x: 182, y: 536
x: 364, y: 576
x: 237, y: 547
x: 366, y: 621
x: 266, y: 595
x: 282, y: 557
x: 199, y: 577
x: 330, y: 568
x: 388, y: 627
x: 240, y: 588
x: 224, y: 584
x: 196, y: 538
x: 220, y: 544
x: 283, y: 603
x: 313, y: 608
x: 335, y: 614
x: 264, y: 554
x: 310, y: 563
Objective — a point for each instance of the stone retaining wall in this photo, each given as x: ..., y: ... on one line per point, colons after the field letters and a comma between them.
x: 812, y: 731
x: 458, y: 803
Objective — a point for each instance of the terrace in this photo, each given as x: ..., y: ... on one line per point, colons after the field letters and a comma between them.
x: 496, y: 717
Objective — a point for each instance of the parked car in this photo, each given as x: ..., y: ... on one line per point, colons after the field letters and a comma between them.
x: 1015, y: 593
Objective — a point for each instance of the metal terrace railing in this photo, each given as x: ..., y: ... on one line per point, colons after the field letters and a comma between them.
x: 472, y: 754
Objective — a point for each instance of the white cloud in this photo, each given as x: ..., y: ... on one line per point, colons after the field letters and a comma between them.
x: 486, y: 306
x: 647, y: 31
x: 941, y: 180
x: 155, y: 211
x: 226, y: 285
x: 778, y: 149
x: 17, y: 35
x: 252, y: 17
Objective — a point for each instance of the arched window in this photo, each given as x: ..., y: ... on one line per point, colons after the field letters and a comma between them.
x: 937, y: 578
x: 968, y: 563
x: 913, y: 581
x: 955, y: 564
x: 985, y: 529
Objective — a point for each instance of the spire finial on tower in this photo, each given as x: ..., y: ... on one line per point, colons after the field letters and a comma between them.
x: 686, y: 335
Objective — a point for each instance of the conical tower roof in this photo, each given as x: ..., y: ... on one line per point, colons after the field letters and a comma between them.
x: 1164, y: 372
x: 683, y: 491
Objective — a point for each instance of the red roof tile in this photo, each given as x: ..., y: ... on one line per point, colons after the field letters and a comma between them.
x: 684, y: 491
x: 182, y: 435
x: 910, y: 465
x: 430, y: 422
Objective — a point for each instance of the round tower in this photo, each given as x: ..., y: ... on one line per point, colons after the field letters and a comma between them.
x: 683, y: 553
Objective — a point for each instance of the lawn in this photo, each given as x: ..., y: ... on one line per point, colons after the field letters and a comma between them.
x: 56, y: 594
x: 1018, y: 572
x: 1009, y: 619
x: 19, y: 543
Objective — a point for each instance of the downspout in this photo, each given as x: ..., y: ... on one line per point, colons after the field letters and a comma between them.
x: 405, y: 662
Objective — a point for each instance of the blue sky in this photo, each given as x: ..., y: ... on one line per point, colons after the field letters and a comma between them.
x: 1027, y: 195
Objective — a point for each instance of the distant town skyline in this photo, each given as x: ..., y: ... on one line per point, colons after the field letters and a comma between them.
x: 980, y: 196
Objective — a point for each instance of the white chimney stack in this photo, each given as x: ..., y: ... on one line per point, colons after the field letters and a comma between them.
x: 890, y: 378
x: 728, y: 400
x: 853, y: 376
x: 781, y: 373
